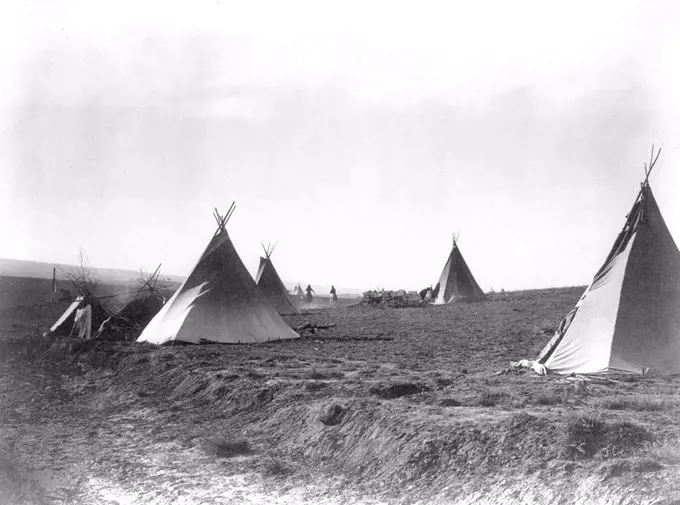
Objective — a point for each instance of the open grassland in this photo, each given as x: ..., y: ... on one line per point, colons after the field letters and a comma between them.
x: 28, y: 302
x: 413, y: 405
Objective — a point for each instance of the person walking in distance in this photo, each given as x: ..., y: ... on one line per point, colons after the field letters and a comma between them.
x: 309, y: 292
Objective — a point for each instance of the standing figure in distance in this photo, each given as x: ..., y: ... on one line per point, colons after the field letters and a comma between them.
x: 309, y: 291
x: 334, y: 296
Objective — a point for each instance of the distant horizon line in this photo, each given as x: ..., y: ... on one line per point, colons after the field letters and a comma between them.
x: 182, y: 278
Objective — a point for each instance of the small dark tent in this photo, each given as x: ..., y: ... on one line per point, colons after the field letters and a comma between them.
x: 456, y: 282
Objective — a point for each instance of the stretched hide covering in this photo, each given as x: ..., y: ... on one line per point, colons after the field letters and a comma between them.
x: 128, y: 323
x: 64, y: 325
x: 82, y: 324
x: 456, y: 282
x: 143, y: 309
x: 272, y: 287
x: 219, y: 302
x: 628, y: 320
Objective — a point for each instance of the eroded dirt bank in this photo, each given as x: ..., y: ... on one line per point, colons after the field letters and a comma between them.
x: 388, y: 406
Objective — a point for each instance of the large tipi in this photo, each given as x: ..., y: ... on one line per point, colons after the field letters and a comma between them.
x: 219, y: 302
x: 628, y: 320
x: 271, y: 285
x: 456, y: 282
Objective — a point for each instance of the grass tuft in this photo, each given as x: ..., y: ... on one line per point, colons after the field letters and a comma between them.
x: 223, y: 448
x: 587, y: 435
x: 582, y: 434
x: 397, y: 389
x: 275, y: 466
x: 333, y: 414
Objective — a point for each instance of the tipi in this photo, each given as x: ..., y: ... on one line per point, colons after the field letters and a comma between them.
x: 271, y: 285
x: 628, y: 320
x: 456, y: 283
x: 219, y: 302
x: 70, y: 325
x: 297, y: 291
x: 146, y: 303
x: 129, y: 321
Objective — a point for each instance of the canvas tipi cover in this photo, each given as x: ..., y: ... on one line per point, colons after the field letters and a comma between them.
x: 219, y: 302
x: 456, y: 283
x: 272, y: 287
x: 628, y: 320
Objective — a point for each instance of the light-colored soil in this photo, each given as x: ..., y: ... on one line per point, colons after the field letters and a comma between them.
x: 390, y: 406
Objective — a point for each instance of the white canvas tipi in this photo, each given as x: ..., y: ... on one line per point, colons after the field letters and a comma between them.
x: 628, y: 320
x: 219, y: 302
x: 456, y: 282
x: 271, y: 285
x: 297, y: 291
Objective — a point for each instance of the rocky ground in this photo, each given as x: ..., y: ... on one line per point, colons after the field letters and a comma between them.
x: 413, y: 405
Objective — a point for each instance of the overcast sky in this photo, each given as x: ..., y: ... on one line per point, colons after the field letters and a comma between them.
x: 359, y: 135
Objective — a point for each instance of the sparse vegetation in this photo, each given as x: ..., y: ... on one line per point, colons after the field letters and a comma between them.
x: 333, y: 414
x: 227, y: 448
x: 397, y: 389
x: 583, y: 432
x: 322, y: 374
x: 434, y: 408
x: 587, y: 434
x: 275, y: 466
x: 489, y: 398
x: 83, y: 278
x: 639, y: 403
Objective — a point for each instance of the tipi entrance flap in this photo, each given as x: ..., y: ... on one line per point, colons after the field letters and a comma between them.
x: 587, y: 342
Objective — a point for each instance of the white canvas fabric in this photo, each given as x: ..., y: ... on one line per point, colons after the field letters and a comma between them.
x: 272, y: 287
x: 219, y: 302
x: 628, y: 320
x: 456, y: 282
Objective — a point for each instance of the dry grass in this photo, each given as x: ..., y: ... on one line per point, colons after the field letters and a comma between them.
x: 586, y: 435
x: 397, y: 389
x: 274, y: 465
x: 227, y: 448
x: 433, y: 407
x: 637, y: 403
